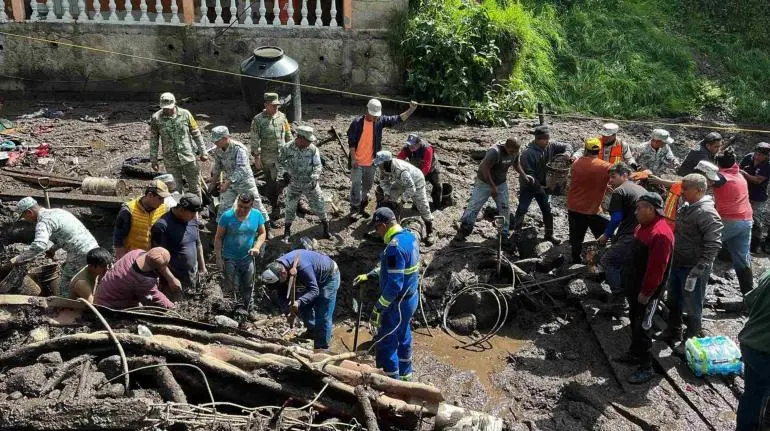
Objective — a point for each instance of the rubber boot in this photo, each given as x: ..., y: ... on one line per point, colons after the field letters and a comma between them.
x: 429, y: 237
x: 286, y: 233
x: 326, y: 234
x: 548, y: 222
x: 694, y: 328
x: 745, y: 280
x: 362, y: 209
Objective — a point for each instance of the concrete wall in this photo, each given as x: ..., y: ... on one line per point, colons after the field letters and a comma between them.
x: 351, y: 60
x: 375, y: 13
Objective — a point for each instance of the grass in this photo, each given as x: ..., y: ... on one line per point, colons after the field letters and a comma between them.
x: 636, y: 58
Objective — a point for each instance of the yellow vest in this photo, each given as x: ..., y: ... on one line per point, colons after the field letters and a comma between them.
x: 141, y: 222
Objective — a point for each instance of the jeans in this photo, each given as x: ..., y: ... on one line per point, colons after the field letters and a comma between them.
x: 318, y: 315
x: 752, y: 408
x: 681, y: 301
x: 525, y: 200
x: 362, y: 179
x: 578, y: 225
x: 758, y: 208
x: 736, y: 236
x: 479, y: 195
x: 239, y: 275
x: 613, y: 258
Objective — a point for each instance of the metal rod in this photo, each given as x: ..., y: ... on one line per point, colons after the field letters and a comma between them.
x: 358, y: 319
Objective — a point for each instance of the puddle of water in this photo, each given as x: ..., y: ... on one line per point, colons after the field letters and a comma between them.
x: 484, y: 363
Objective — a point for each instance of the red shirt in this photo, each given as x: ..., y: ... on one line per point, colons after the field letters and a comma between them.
x: 658, y: 240
x: 732, y: 198
x: 587, y: 185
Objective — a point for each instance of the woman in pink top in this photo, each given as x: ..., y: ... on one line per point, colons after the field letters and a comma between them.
x: 731, y: 195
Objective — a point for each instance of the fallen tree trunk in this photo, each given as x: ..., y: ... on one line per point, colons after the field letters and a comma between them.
x: 39, y: 414
x: 366, y: 405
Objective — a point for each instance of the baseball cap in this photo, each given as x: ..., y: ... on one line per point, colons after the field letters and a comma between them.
x: 190, y: 202
x: 610, y: 129
x: 24, y: 205
x: 412, y: 139
x: 218, y: 133
x: 662, y: 135
x: 653, y: 199
x: 762, y: 147
x: 272, y: 98
x: 593, y: 144
x: 159, y: 188
x: 541, y: 131
x: 374, y: 108
x: 382, y: 215
x: 166, y: 178
x: 155, y: 258
x: 167, y: 101
x: 382, y: 157
x: 272, y: 273
x: 708, y: 170
x: 306, y: 132
x: 711, y: 137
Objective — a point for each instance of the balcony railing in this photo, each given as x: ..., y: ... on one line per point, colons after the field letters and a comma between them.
x: 246, y: 13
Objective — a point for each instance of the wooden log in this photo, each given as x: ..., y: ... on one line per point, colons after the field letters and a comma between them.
x: 62, y: 371
x: 33, y: 179
x: 41, y: 414
x: 366, y: 406
x: 107, y: 202
x: 164, y: 380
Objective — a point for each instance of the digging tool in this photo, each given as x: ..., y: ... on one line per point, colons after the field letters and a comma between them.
x: 94, y: 144
x: 336, y: 136
x: 358, y: 305
x: 44, y: 183
x: 501, y: 219
x: 291, y: 293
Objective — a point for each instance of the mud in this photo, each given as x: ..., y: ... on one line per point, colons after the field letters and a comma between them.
x: 544, y: 370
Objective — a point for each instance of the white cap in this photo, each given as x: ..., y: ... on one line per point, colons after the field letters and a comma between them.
x: 382, y: 157
x: 374, y: 108
x: 167, y: 101
x: 610, y: 129
x: 662, y: 135
x: 708, y: 170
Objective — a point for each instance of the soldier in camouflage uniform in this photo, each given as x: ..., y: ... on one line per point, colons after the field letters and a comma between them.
x: 301, y: 163
x: 56, y: 228
x: 270, y: 131
x: 231, y: 160
x: 177, y: 131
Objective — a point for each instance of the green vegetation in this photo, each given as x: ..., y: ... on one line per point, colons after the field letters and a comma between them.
x: 628, y: 59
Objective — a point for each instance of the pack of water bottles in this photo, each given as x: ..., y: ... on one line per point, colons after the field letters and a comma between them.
x: 713, y: 356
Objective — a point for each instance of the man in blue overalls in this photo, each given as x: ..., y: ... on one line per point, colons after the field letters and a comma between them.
x: 398, y: 273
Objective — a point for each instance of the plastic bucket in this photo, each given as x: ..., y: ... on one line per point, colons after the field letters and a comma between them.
x: 47, y: 277
x: 557, y: 175
x: 104, y: 186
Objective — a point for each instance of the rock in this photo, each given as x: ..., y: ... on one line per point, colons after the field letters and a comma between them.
x: 28, y: 380
x: 50, y: 358
x: 39, y: 334
x: 464, y: 324
x: 527, y: 243
x: 16, y: 395
x: 715, y: 279
x: 552, y: 258
x: 114, y: 390
x: 541, y: 249
x: 44, y: 161
x: 54, y: 394
x: 576, y: 289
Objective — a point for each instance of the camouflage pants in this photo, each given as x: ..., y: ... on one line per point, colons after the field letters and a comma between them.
x: 419, y: 200
x: 313, y: 194
x: 69, y: 270
x: 228, y: 197
x: 189, y: 172
x: 273, y: 187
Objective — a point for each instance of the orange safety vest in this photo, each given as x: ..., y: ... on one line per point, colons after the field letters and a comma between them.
x: 672, y: 202
x: 616, y: 153
x: 141, y: 222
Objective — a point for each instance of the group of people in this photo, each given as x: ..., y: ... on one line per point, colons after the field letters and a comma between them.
x: 663, y: 232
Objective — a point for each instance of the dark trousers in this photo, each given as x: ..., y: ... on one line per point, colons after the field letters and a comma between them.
x: 753, y: 406
x: 525, y: 200
x: 434, y: 178
x: 641, y: 342
x: 578, y: 225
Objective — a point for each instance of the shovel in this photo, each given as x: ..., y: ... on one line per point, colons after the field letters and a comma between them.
x: 358, y: 306
x: 45, y: 183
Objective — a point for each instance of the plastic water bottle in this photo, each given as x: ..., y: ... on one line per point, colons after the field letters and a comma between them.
x: 689, y: 284
x: 649, y: 313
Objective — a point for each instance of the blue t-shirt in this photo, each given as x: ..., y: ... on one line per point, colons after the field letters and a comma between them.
x: 181, y: 240
x: 240, y: 236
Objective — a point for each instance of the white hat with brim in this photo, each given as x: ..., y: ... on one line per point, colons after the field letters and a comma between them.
x: 662, y: 135
x: 167, y: 101
x: 610, y: 129
x: 708, y: 170
x: 374, y: 108
x: 382, y: 157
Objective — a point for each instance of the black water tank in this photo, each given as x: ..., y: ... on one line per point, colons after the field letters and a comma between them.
x: 270, y: 62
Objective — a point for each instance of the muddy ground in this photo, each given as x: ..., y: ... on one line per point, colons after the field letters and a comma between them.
x: 549, y: 367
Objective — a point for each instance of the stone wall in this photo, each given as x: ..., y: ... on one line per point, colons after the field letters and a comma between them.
x: 375, y: 13
x: 350, y: 60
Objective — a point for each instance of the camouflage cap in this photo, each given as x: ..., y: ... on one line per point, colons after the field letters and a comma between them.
x: 306, y: 132
x: 167, y: 101
x: 272, y: 98
x: 218, y: 133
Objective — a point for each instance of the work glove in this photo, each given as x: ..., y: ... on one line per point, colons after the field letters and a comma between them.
x: 374, y: 320
x: 360, y: 278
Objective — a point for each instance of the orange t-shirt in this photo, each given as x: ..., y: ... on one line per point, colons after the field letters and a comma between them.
x: 588, y: 185
x: 365, y: 147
